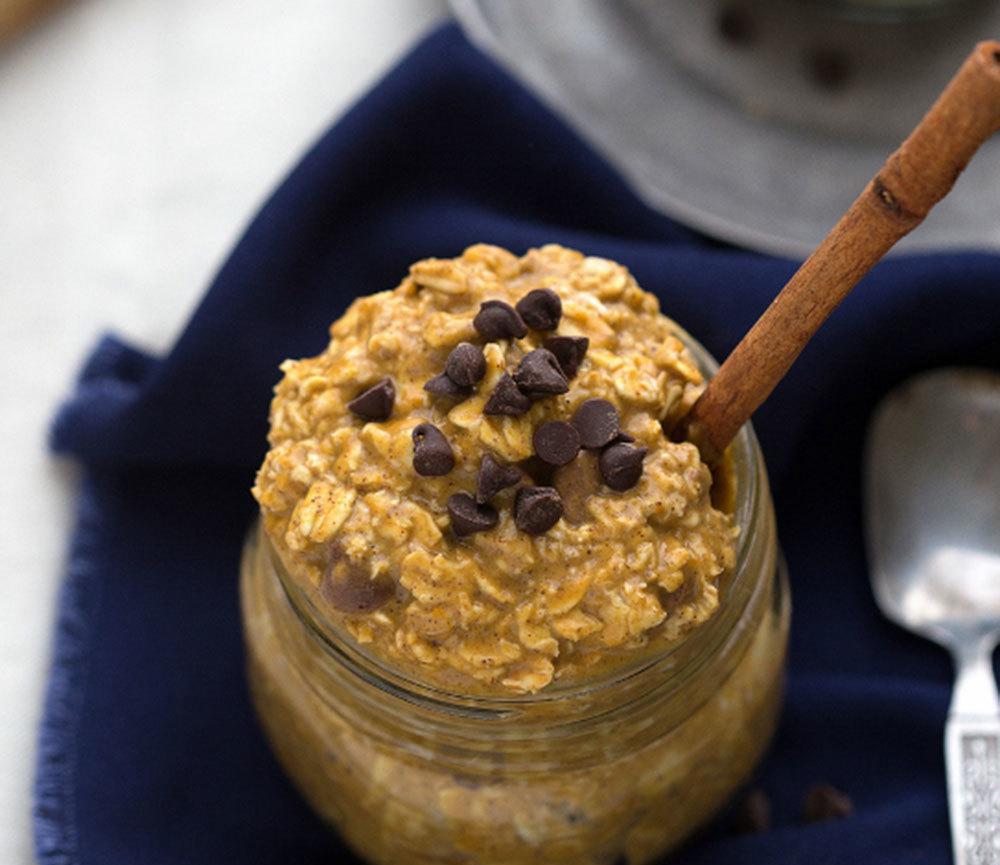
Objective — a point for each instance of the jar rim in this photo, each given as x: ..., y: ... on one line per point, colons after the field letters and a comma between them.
x: 750, y: 476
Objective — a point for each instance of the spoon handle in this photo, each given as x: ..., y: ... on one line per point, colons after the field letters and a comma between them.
x: 972, y: 757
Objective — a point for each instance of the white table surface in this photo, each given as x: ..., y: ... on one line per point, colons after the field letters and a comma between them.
x: 136, y: 139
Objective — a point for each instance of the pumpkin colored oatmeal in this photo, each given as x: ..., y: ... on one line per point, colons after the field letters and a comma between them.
x: 473, y: 479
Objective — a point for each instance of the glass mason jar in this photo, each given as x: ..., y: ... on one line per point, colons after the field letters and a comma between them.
x: 623, y: 766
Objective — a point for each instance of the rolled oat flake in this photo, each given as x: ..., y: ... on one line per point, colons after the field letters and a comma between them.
x: 432, y: 455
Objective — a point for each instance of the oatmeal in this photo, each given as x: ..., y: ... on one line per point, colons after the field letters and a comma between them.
x: 474, y: 534
x: 473, y: 479
x: 612, y: 774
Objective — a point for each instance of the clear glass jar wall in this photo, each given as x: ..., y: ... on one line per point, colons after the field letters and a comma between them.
x: 625, y: 766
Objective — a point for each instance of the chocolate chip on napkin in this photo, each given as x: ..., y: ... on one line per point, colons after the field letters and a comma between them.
x: 753, y: 814
x: 825, y: 802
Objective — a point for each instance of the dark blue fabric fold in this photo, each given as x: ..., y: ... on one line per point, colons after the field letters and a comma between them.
x: 149, y: 752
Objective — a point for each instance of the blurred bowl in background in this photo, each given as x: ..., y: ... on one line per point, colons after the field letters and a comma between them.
x: 755, y: 121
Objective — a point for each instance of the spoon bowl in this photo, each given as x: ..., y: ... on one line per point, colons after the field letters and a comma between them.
x: 932, y: 476
x: 933, y: 492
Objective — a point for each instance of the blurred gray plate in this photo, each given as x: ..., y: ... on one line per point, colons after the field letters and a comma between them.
x: 759, y: 123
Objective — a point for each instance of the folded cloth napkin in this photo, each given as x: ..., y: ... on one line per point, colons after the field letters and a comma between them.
x: 149, y: 749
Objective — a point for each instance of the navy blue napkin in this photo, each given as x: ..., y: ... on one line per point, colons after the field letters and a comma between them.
x: 149, y: 750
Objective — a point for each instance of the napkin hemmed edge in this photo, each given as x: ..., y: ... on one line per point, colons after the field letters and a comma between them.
x: 111, y: 375
x: 53, y: 806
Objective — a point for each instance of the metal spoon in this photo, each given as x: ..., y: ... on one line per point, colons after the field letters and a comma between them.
x: 932, y: 471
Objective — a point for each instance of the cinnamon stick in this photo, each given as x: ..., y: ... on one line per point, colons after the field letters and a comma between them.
x: 896, y: 200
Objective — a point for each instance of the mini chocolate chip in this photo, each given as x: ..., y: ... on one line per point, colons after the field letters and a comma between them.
x: 498, y: 320
x: 376, y: 402
x: 537, y: 471
x: 469, y: 516
x: 349, y: 587
x: 576, y: 483
x: 465, y: 365
x: 569, y: 351
x: 824, y: 802
x: 537, y: 509
x: 622, y: 437
x: 541, y: 309
x: 621, y: 465
x: 829, y: 67
x: 432, y: 454
x: 506, y: 399
x: 556, y: 442
x: 539, y: 374
x: 493, y: 477
x: 441, y: 385
x: 597, y: 422
x: 753, y: 814
x: 737, y: 25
